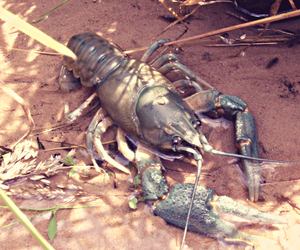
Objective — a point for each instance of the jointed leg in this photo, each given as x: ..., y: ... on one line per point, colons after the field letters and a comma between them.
x: 174, y: 63
x: 165, y: 59
x: 98, y: 126
x: 152, y: 48
x: 71, y: 117
x: 123, y: 146
x: 187, y: 72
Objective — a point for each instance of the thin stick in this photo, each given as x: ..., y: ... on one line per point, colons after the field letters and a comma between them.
x: 278, y: 182
x: 62, y: 148
x: 227, y: 29
x: 241, y: 44
x: 293, y: 4
x: 174, y: 13
x: 274, y: 10
x: 267, y: 40
x: 178, y: 20
x: 239, y: 26
x: 74, y: 146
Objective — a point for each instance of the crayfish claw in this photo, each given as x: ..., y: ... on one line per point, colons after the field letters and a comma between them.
x: 205, y: 216
x: 66, y: 80
x: 224, y: 204
x: 247, y: 141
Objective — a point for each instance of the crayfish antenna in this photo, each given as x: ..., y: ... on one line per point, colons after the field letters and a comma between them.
x: 216, y: 152
x: 198, y: 158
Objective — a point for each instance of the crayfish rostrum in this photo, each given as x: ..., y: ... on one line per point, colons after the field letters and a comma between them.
x: 150, y: 111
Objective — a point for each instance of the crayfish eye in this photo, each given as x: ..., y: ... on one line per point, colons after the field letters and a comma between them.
x: 176, y: 141
x: 197, y: 124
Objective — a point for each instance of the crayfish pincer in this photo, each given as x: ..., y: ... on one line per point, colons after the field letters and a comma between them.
x: 150, y: 111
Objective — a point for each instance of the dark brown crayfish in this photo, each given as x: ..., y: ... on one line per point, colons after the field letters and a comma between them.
x: 148, y: 109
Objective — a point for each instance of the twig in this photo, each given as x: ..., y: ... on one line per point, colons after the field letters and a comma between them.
x: 227, y: 29
x: 273, y: 11
x: 61, y: 148
x: 241, y: 44
x: 239, y: 26
x: 293, y: 4
x: 178, y: 20
x: 37, y: 132
x: 278, y: 182
x: 289, y: 201
x: 173, y: 12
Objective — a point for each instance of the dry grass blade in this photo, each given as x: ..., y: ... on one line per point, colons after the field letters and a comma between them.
x: 35, y: 33
x: 203, y: 2
x: 32, y: 51
x: 25, y: 108
x: 18, y: 163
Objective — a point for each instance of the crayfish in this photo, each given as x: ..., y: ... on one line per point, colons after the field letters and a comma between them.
x: 150, y: 111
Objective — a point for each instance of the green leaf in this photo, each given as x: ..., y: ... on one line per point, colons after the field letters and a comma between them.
x: 72, y: 171
x: 133, y: 203
x: 136, y: 180
x: 52, y: 227
x: 69, y: 160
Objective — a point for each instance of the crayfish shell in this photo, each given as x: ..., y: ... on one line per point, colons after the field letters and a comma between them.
x: 96, y: 57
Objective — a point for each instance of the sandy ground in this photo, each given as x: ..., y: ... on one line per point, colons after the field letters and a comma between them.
x: 272, y: 95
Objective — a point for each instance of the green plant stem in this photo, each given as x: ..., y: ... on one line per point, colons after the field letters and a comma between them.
x: 51, y: 208
x: 46, y: 210
x: 22, y: 217
x: 35, y: 21
x: 16, y: 222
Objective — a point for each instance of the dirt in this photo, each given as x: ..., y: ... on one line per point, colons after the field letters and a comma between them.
x: 272, y: 93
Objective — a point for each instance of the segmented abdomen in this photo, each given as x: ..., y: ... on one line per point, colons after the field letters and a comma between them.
x: 96, y: 58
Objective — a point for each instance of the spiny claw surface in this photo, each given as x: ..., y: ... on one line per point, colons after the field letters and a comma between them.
x: 205, y: 216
